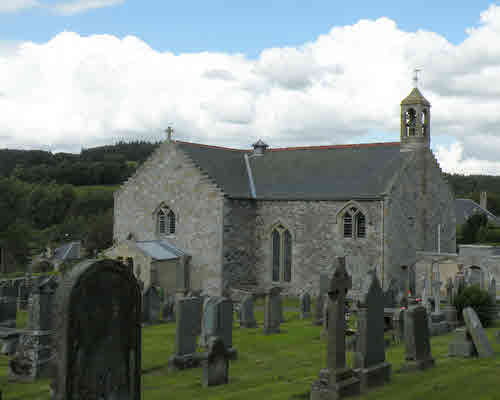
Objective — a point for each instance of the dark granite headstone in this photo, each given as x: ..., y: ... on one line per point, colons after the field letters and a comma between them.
x: 369, y: 358
x: 247, y: 318
x: 151, y: 305
x: 98, y: 333
x: 188, y: 310
x: 462, y: 344
x: 418, y: 346
x: 324, y: 281
x: 272, y: 311
x: 305, y: 305
x: 215, y: 365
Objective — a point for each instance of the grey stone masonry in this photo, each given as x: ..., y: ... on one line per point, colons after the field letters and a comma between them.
x: 417, y: 341
x: 188, y: 311
x: 462, y: 344
x: 476, y: 331
x: 369, y: 358
x: 247, y: 318
x: 336, y: 380
x: 272, y: 311
x: 98, y: 343
x: 305, y: 305
x: 215, y: 363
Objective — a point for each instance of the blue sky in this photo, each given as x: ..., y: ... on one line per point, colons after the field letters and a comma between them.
x: 90, y: 72
x: 245, y: 27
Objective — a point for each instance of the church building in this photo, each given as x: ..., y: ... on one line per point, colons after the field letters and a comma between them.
x: 212, y: 217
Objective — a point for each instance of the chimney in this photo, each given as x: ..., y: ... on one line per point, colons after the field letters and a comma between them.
x: 259, y: 148
x: 483, y: 200
x: 169, y: 132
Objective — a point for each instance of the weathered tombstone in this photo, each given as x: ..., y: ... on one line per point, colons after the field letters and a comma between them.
x: 215, y: 365
x: 326, y: 305
x: 476, y: 331
x: 10, y: 341
x: 399, y: 325
x: 336, y: 380
x: 168, y: 311
x: 492, y: 290
x: 418, y: 346
x: 462, y: 344
x: 151, y: 305
x: 34, y: 355
x: 449, y: 290
x: 305, y: 305
x: 98, y: 333
x: 390, y: 294
x: 369, y: 358
x: 188, y: 310
x: 324, y: 281
x: 247, y: 318
x: 272, y: 311
x: 218, y: 322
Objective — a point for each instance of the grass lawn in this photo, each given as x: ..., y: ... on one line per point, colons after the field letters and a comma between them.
x: 284, y: 365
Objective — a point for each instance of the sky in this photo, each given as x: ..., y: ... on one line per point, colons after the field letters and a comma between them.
x: 82, y: 73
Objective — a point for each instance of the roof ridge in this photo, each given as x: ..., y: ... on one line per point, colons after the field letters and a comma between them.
x: 333, y: 146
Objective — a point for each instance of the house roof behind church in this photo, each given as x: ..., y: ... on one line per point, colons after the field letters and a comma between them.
x: 464, y: 208
x: 301, y: 173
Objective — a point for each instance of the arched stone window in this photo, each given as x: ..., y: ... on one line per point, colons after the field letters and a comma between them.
x: 165, y: 221
x: 281, y: 240
x: 354, y: 223
x: 424, y: 122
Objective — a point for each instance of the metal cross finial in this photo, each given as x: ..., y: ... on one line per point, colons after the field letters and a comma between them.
x: 415, y: 76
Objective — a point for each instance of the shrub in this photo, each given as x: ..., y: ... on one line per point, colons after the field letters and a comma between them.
x: 473, y: 296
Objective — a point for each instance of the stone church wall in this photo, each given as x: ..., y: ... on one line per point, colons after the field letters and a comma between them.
x: 170, y: 176
x: 317, y: 238
x: 239, y: 242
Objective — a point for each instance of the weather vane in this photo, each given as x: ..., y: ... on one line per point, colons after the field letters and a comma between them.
x: 415, y: 76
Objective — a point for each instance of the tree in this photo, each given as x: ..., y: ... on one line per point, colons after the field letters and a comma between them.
x: 475, y: 228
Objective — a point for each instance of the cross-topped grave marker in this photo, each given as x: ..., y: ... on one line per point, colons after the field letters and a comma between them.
x: 336, y: 380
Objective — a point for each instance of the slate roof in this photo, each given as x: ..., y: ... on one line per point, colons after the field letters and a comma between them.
x: 415, y: 97
x: 464, y: 208
x: 159, y: 250
x: 301, y: 173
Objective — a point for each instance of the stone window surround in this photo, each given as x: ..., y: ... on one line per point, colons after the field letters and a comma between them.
x: 340, y: 220
x: 170, y: 223
x: 281, y: 228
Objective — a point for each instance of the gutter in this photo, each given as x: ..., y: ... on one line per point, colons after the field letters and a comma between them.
x: 250, y: 176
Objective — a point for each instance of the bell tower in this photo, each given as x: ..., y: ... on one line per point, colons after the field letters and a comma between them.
x: 415, y: 120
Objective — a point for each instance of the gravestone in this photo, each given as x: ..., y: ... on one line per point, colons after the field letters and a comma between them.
x: 336, y: 380
x: 369, y: 359
x: 326, y: 305
x: 449, y: 290
x: 390, y: 294
x: 305, y: 305
x: 247, y: 318
x: 272, y: 311
x: 215, y: 364
x: 188, y: 311
x: 399, y: 325
x: 324, y: 281
x: 8, y: 312
x: 476, y: 331
x: 462, y: 344
x: 151, y: 305
x: 168, y: 311
x: 35, y: 351
x: 418, y: 346
x: 492, y: 290
x: 98, y: 333
x: 218, y: 322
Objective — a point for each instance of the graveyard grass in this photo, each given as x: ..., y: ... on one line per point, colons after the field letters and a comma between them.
x: 283, y: 366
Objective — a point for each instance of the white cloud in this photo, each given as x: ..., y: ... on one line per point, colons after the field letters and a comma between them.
x: 79, y: 6
x: 75, y: 90
x: 8, y: 6
x: 453, y: 161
